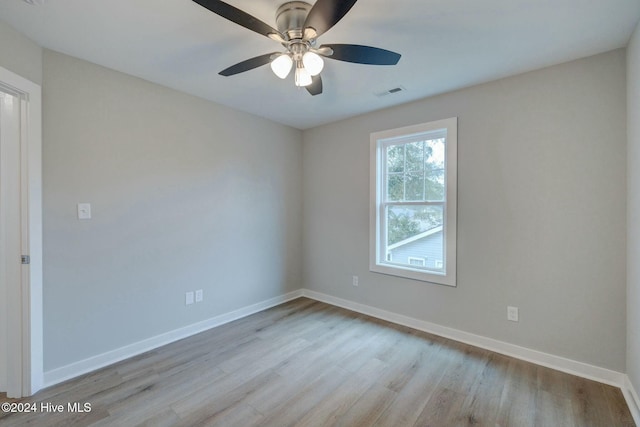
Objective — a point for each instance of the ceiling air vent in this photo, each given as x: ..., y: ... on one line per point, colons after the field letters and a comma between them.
x: 34, y: 2
x: 390, y: 91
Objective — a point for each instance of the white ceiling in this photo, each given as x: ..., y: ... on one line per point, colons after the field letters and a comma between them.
x: 445, y: 45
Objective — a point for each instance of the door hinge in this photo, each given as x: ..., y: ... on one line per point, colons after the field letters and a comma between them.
x: 26, y: 259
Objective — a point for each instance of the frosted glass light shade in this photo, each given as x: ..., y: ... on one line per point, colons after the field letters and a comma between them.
x: 303, y: 78
x: 281, y: 66
x: 313, y: 63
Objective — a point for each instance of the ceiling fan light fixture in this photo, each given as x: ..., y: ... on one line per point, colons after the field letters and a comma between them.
x: 313, y: 63
x: 303, y: 78
x: 299, y: 26
x: 281, y: 66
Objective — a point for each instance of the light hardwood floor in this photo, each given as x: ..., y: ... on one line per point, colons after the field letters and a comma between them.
x: 306, y: 363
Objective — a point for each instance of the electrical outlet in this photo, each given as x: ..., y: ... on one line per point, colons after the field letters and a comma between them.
x: 188, y: 298
x: 512, y: 313
x: 199, y: 295
x: 355, y: 281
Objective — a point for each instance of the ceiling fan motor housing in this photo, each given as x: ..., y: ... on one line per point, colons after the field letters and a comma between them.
x: 290, y: 18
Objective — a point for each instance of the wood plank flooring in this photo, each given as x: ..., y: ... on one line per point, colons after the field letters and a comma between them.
x: 306, y: 363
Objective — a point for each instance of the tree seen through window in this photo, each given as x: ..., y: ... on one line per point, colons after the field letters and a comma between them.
x: 415, y: 172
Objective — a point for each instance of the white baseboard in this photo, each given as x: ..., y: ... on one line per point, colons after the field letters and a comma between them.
x: 93, y: 363
x: 554, y: 362
x: 633, y: 401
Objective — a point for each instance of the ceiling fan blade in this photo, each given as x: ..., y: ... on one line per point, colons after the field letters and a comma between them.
x: 325, y: 14
x: 236, y: 15
x: 247, y: 65
x: 362, y: 54
x: 315, y: 88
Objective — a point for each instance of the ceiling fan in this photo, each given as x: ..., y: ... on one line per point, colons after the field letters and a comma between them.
x: 299, y: 26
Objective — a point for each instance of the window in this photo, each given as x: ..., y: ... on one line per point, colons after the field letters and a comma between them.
x: 416, y: 261
x: 413, y: 202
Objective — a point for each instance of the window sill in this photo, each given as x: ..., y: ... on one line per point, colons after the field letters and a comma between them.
x: 415, y: 274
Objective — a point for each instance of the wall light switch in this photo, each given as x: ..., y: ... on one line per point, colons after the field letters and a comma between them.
x: 512, y: 313
x: 84, y: 210
x: 188, y: 298
x: 199, y: 295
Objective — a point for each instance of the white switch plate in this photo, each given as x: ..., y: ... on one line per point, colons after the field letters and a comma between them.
x: 355, y: 281
x: 84, y: 210
x: 199, y: 295
x: 512, y: 313
x: 188, y: 298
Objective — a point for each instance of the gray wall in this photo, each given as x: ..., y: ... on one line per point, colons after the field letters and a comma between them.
x: 186, y: 195
x: 633, y: 213
x: 19, y: 54
x: 541, y: 211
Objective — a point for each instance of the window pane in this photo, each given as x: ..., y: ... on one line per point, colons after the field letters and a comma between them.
x: 414, y: 236
x: 434, y: 186
x: 415, y: 171
x: 414, y: 186
x: 434, y: 169
x: 395, y: 158
x: 414, y: 156
x: 404, y: 222
x: 395, y: 187
x: 434, y: 154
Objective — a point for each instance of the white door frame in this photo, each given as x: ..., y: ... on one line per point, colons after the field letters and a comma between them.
x: 26, y: 347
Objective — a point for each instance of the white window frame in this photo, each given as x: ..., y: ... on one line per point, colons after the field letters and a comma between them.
x: 377, y: 260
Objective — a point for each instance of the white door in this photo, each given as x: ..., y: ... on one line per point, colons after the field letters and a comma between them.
x: 10, y: 240
x: 21, y: 354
